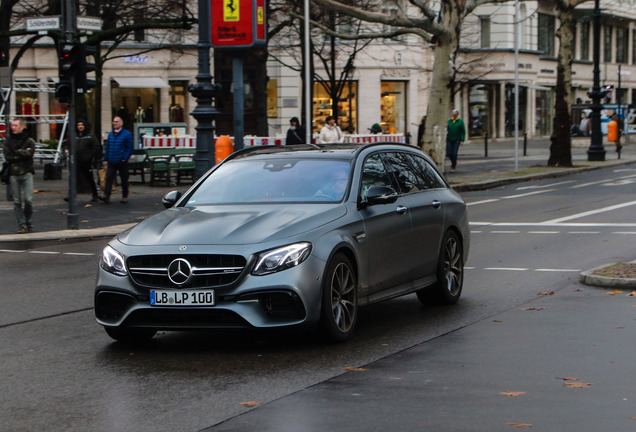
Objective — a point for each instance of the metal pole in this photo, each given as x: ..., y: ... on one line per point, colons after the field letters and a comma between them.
x: 516, y: 38
x: 618, y: 101
x: 308, y: 81
x: 72, y: 217
x: 204, y: 91
x: 596, y: 151
x: 238, y: 86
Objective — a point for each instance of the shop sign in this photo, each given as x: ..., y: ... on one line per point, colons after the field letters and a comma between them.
x: 396, y: 73
x: 237, y: 23
x: 136, y: 59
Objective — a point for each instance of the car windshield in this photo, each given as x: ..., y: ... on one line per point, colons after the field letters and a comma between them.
x: 275, y: 180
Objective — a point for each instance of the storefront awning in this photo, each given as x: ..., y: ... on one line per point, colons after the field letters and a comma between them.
x: 145, y: 82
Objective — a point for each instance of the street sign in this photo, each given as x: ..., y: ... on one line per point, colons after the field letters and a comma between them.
x: 237, y: 23
x: 89, y: 23
x: 43, y: 23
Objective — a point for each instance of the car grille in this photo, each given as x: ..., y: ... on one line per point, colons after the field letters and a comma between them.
x: 207, y: 270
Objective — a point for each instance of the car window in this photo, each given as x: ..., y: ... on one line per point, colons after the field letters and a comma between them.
x: 374, y: 173
x: 402, y: 171
x: 274, y: 180
x: 428, y: 178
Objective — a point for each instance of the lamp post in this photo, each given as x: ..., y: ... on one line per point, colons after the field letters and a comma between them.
x: 596, y: 151
x: 204, y: 91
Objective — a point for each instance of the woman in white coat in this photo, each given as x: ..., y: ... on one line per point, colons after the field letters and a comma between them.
x: 331, y: 133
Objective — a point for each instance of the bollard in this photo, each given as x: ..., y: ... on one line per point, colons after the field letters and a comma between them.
x: 486, y: 144
x: 525, y: 143
x: 224, y: 147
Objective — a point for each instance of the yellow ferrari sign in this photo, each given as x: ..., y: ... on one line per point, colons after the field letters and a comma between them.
x: 231, y: 10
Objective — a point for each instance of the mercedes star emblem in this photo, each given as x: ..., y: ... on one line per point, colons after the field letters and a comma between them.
x: 179, y: 271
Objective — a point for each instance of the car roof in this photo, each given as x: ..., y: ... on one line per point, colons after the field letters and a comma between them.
x: 329, y: 151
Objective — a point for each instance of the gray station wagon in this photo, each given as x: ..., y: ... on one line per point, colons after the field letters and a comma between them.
x: 288, y: 236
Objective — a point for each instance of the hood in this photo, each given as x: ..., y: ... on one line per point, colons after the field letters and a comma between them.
x: 230, y: 224
x: 294, y: 119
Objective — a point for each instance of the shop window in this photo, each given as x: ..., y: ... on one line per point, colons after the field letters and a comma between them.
x: 544, y: 106
x: 345, y: 110
x: 178, y: 100
x: 27, y: 106
x: 510, y: 109
x: 135, y: 105
x: 272, y: 98
x: 478, y: 108
x: 393, y: 107
x: 607, y: 43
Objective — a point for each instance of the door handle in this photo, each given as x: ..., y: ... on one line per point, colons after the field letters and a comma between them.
x: 436, y: 204
x: 401, y: 209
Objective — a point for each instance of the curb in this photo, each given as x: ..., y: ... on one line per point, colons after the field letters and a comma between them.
x: 63, y: 235
x: 589, y: 278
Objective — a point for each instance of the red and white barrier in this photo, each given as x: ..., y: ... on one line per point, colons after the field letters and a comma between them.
x: 170, y: 142
x: 259, y: 141
x: 365, y: 139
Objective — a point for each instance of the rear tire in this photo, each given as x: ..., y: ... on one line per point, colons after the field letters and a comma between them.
x: 130, y: 335
x: 450, y: 273
x: 339, y: 300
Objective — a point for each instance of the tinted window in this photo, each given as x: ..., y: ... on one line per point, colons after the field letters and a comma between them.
x: 274, y: 181
x: 374, y: 173
x: 402, y: 172
x: 428, y: 177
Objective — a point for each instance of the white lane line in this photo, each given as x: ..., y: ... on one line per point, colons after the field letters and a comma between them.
x: 544, y: 232
x: 507, y: 268
x: 546, y: 186
x: 79, y: 253
x: 555, y: 224
x: 625, y: 232
x: 505, y: 232
x: 558, y: 270
x: 584, y: 232
x: 12, y: 251
x: 591, y: 212
x: 482, y: 202
x: 601, y: 181
x: 44, y: 252
x: 528, y: 194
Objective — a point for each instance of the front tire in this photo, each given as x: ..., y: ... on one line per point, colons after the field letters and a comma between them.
x: 339, y: 300
x: 130, y: 335
x: 450, y: 273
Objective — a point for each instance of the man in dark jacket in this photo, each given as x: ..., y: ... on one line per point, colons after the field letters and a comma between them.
x: 86, y: 156
x: 18, y: 151
x: 119, y: 148
x: 296, y: 133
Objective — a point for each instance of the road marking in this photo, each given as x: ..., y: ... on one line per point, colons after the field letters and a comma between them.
x: 556, y: 225
x: 624, y: 232
x: 584, y: 232
x: 507, y: 268
x: 528, y: 194
x: 557, y: 270
x: 591, y: 212
x: 546, y: 186
x: 600, y: 182
x: 505, y: 232
x: 79, y: 253
x: 11, y: 251
x: 44, y: 252
x: 482, y: 202
x: 544, y: 232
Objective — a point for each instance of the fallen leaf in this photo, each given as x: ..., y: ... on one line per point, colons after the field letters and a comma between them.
x: 613, y: 292
x: 531, y: 309
x: 568, y: 379
x: 88, y: 205
x: 63, y: 213
x: 577, y: 290
x: 250, y: 404
x: 520, y: 425
x: 631, y: 294
x: 546, y: 293
x: 577, y: 384
x: 509, y: 393
x: 356, y: 369
x: 618, y: 327
x: 36, y: 191
x: 497, y: 321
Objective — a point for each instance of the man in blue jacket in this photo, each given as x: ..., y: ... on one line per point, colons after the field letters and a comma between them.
x: 119, y: 148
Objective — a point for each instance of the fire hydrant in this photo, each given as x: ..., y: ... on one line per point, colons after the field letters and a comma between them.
x: 224, y: 147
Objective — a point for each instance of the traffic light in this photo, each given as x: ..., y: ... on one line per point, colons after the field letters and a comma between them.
x: 67, y: 63
x: 84, y: 67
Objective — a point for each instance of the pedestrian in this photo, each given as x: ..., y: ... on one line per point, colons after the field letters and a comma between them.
x: 331, y: 132
x: 295, y: 133
x: 119, y: 148
x: 421, y: 128
x: 375, y: 129
x: 18, y: 151
x: 455, y: 136
x: 87, y: 155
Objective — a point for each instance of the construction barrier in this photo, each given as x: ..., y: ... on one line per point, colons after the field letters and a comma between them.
x: 365, y: 139
x: 170, y: 142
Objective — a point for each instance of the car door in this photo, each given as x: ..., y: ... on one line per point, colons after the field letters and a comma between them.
x: 387, y: 232
x: 423, y: 199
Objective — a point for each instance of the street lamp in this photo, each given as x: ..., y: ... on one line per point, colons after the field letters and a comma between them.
x: 204, y: 91
x: 596, y: 151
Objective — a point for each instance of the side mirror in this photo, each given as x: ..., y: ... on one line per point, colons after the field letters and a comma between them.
x: 171, y: 198
x: 381, y: 195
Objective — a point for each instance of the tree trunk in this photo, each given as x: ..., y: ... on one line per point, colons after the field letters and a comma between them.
x: 561, y: 143
x: 438, y: 110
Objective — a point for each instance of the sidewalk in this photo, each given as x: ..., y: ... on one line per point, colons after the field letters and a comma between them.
x: 475, y: 171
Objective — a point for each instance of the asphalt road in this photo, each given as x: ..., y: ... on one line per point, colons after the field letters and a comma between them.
x: 523, y: 325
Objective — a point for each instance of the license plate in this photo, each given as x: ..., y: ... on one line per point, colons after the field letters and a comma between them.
x: 182, y: 298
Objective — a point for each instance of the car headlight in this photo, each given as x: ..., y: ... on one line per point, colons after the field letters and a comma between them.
x: 282, y: 258
x: 113, y: 262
